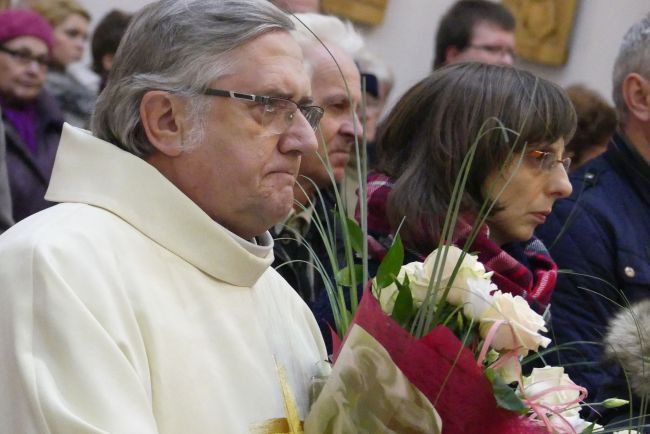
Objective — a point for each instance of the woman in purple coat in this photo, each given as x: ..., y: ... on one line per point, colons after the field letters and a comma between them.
x: 31, y: 118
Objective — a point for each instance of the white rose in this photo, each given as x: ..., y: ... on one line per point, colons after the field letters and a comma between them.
x: 510, y: 370
x: 418, y: 282
x: 549, y: 377
x: 573, y: 419
x: 521, y: 327
x: 471, y: 286
x: 478, y: 296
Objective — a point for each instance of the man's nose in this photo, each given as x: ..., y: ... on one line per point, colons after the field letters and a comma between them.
x: 300, y: 136
x: 352, y: 125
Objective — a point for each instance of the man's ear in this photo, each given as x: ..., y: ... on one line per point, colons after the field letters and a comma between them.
x: 636, y: 92
x: 162, y: 117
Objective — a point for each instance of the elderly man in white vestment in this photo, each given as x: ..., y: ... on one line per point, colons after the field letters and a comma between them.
x: 144, y: 302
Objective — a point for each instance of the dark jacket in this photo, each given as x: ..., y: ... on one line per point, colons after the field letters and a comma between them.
x: 293, y: 262
x: 29, y: 173
x: 602, y: 232
x: 6, y: 218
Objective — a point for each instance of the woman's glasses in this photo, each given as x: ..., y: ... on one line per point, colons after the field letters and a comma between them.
x: 25, y: 57
x: 547, y: 160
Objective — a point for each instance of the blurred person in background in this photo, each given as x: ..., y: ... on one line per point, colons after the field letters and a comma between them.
x: 596, y: 125
x: 602, y: 235
x: 376, y: 95
x: 476, y: 31
x: 379, y: 80
x: 31, y: 117
x: 106, y: 38
x: 69, y: 21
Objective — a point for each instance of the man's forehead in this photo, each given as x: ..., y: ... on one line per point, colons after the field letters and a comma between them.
x: 270, y: 64
x: 489, y: 32
x: 333, y: 65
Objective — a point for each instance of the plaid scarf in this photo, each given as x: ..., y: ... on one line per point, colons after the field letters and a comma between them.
x: 524, y: 269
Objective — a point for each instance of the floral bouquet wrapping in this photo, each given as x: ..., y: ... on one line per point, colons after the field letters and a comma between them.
x: 435, y: 347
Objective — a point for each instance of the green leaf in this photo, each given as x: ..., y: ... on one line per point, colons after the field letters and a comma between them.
x: 355, y: 235
x: 504, y: 394
x: 390, y: 266
x: 403, y: 309
x: 589, y: 429
x: 344, y: 277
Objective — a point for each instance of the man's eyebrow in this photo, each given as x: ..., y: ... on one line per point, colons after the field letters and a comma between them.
x: 305, y: 100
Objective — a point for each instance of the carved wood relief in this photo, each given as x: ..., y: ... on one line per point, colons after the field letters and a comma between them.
x: 543, y: 29
x: 361, y: 11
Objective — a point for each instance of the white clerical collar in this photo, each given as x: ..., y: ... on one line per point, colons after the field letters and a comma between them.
x: 259, y: 246
x: 91, y: 171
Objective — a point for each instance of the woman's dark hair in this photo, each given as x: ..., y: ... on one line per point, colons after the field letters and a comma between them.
x: 424, y: 139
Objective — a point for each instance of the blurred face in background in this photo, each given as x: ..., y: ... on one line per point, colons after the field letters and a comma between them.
x: 69, y: 39
x: 339, y: 125
x: 23, y: 68
x: 490, y: 44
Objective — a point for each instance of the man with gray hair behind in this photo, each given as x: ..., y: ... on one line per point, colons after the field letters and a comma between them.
x: 144, y: 301
x: 338, y: 91
x: 602, y: 234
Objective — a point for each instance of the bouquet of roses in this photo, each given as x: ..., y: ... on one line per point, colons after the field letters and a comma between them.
x: 436, y: 346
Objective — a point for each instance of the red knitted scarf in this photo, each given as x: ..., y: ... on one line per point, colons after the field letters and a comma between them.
x: 534, y: 281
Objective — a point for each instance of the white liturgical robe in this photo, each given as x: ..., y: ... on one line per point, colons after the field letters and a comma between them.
x: 126, y: 309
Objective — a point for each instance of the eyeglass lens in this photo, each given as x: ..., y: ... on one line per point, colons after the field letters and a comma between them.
x: 279, y: 113
x: 25, y: 57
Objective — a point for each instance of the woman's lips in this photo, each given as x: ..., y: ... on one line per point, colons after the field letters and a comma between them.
x: 540, y: 217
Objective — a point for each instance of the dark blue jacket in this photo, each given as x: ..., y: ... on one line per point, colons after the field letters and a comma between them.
x: 603, y: 232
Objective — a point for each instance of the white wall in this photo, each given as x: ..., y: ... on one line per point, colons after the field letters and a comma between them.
x: 405, y: 39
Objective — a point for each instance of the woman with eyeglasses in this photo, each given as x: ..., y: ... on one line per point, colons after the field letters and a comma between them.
x: 31, y: 117
x: 70, y: 23
x: 520, y: 124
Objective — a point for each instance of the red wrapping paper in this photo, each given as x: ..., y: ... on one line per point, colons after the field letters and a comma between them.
x: 455, y: 385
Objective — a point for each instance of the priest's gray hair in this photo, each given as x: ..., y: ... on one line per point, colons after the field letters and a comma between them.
x: 633, y: 56
x: 329, y: 30
x: 179, y: 46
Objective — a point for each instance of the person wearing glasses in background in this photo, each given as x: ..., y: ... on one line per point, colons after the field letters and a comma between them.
x: 69, y: 23
x: 144, y: 302
x: 31, y: 117
x: 476, y: 31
